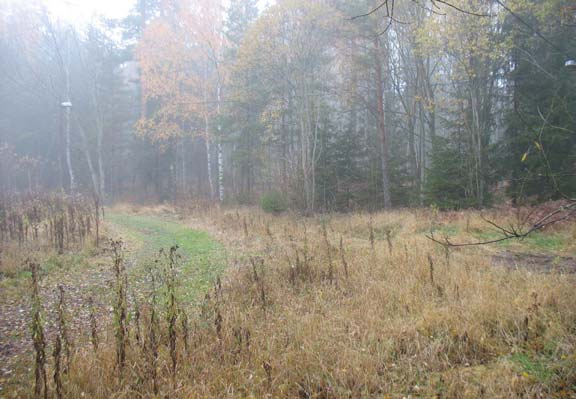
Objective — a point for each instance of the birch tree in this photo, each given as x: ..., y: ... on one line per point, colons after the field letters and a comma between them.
x: 290, y: 50
x: 180, y: 55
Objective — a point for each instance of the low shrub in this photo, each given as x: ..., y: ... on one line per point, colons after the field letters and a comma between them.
x: 273, y: 202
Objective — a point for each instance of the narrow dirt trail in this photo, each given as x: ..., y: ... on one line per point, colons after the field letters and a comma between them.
x: 91, y: 276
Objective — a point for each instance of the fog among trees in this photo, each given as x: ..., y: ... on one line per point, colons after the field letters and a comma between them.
x: 314, y: 105
x: 328, y: 199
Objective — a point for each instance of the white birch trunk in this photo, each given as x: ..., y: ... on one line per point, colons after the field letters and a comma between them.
x: 99, y: 140
x: 68, y: 151
x: 218, y: 102
x: 67, y: 116
x: 207, y: 134
x: 102, y: 177
x: 220, y: 158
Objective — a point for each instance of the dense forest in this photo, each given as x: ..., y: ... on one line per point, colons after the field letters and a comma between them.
x: 307, y: 104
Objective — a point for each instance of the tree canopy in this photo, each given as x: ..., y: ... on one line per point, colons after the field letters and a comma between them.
x: 336, y: 104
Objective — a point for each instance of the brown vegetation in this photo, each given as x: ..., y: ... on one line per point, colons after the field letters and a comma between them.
x: 393, y: 315
x: 44, y: 223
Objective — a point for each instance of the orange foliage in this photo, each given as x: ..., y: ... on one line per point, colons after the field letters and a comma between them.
x: 178, y: 56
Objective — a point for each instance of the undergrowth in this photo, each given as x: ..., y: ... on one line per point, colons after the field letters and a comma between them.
x: 336, y: 307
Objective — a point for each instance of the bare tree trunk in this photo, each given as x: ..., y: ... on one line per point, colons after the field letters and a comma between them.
x: 382, y: 123
x: 284, y: 147
x: 408, y: 98
x: 304, y: 163
x: 479, y: 96
x: 208, y: 158
x: 217, y: 56
x: 183, y: 163
x: 315, y: 130
x: 67, y: 114
x: 220, y: 174
x: 86, y: 151
x: 29, y: 175
x: 68, y: 154
x: 412, y: 154
x: 427, y: 116
x: 101, y: 175
x: 220, y: 157
x: 61, y: 147
x: 101, y: 192
x: 307, y: 155
x: 207, y: 134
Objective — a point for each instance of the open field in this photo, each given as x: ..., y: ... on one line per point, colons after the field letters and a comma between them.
x: 333, y: 307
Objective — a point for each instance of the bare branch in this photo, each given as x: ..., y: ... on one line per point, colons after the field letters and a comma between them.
x: 389, y: 5
x: 384, y: 4
x: 560, y: 214
x: 449, y: 4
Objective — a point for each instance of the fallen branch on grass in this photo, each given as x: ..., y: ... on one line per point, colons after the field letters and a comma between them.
x: 520, y: 231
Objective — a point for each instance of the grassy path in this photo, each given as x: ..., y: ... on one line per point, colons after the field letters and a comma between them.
x: 203, y: 259
x: 85, y: 275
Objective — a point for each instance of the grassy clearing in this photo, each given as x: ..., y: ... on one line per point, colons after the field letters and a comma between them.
x: 301, y: 315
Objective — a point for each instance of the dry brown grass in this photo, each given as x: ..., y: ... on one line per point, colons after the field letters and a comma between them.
x: 11, y: 260
x: 408, y: 321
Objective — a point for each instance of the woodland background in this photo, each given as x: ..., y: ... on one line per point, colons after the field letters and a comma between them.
x: 414, y: 104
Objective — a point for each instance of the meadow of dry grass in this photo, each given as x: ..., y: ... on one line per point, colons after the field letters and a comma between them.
x: 351, y: 306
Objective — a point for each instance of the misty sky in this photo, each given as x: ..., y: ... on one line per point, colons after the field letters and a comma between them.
x: 84, y: 9
x: 79, y: 11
